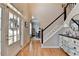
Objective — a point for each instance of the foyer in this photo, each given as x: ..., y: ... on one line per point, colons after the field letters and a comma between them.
x: 38, y: 29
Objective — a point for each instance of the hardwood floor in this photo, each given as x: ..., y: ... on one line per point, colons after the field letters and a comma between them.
x: 34, y: 49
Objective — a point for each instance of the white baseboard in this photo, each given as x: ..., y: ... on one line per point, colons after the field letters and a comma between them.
x: 49, y: 46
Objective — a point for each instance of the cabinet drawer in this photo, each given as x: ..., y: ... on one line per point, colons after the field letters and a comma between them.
x: 73, y: 46
x: 76, y: 48
x: 67, y: 39
x: 76, y: 42
x: 73, y: 52
x: 71, y: 40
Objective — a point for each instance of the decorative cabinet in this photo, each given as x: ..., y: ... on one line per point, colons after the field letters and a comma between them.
x: 69, y: 39
x: 70, y: 45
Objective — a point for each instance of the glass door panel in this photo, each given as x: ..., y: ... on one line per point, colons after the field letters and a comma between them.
x: 10, y: 41
x: 15, y: 36
x: 18, y: 30
x: 14, y: 28
x: 10, y: 29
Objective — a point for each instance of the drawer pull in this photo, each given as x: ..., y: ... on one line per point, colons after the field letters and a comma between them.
x: 74, y: 41
x: 74, y: 53
x: 74, y: 47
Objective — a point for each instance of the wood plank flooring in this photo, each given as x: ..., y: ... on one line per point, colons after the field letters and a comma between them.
x: 34, y: 49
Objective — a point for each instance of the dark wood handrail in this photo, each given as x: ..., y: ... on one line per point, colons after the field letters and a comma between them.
x: 42, y: 36
x: 53, y: 21
x: 58, y: 17
x: 48, y: 26
x: 65, y: 13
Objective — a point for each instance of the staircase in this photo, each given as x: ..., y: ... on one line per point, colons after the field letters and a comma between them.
x: 51, y: 39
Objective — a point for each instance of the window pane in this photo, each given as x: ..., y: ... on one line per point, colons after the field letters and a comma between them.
x: 10, y: 38
x: 18, y: 28
x: 18, y: 21
x: 15, y: 38
x: 10, y: 41
x: 18, y: 34
x: 18, y: 31
x: 10, y: 29
x: 10, y: 15
x: 15, y: 32
x: 10, y: 32
x: 14, y: 28
x: 15, y: 17
x: 11, y: 24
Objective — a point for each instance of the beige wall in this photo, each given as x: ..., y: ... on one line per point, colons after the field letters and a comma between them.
x: 46, y: 12
x: 24, y: 9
